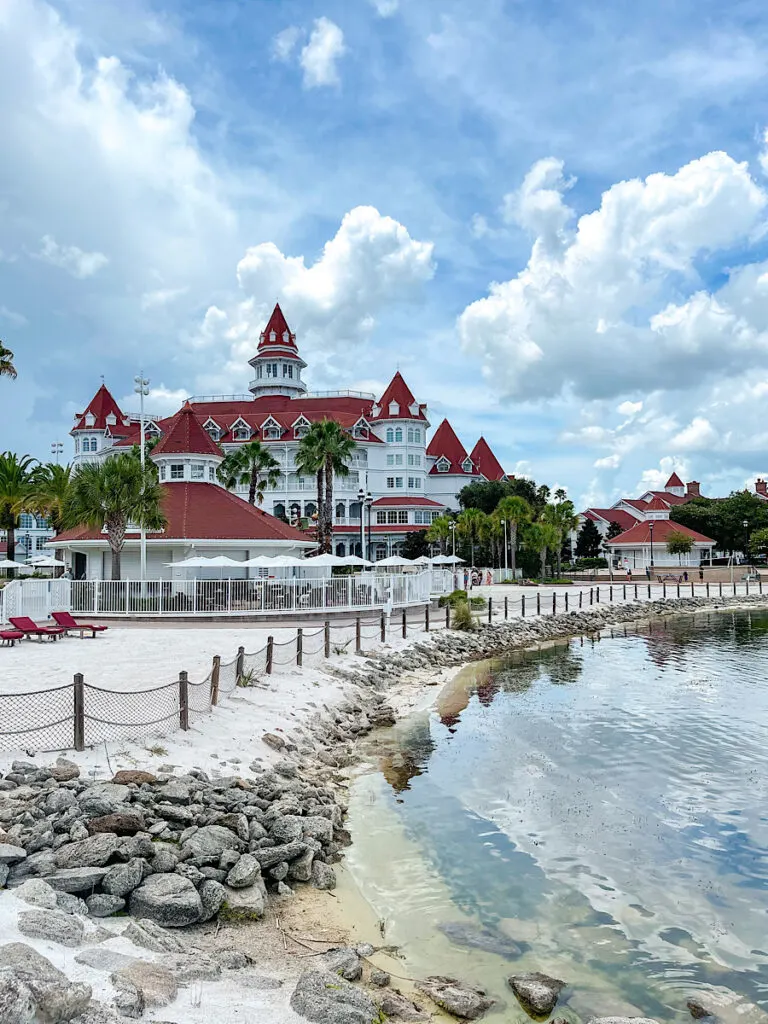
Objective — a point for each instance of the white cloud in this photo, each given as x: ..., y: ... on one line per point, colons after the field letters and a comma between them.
x: 630, y: 408
x: 699, y: 435
x: 17, y: 319
x: 71, y: 258
x: 609, y: 462
x: 654, y: 479
x: 285, y: 43
x: 607, y: 287
x: 319, y: 56
x: 161, y: 297
x: 161, y: 401
x: 386, y: 8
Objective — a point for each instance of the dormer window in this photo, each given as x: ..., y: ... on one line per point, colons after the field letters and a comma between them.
x: 359, y: 430
x: 272, y: 336
x: 112, y: 419
x: 286, y: 337
x: 394, y: 409
x: 442, y: 464
x: 151, y: 430
x: 414, y: 409
x: 214, y: 430
x: 90, y: 419
x: 467, y: 466
x: 301, y: 427
x: 272, y: 433
x: 241, y: 434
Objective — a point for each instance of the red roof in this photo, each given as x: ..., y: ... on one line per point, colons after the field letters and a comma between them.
x: 674, y: 481
x: 200, y: 511
x: 635, y: 503
x: 640, y: 533
x: 657, y: 504
x: 403, y: 500
x: 672, y: 499
x: 611, y: 515
x: 399, y: 392
x: 102, y: 405
x: 185, y: 435
x: 284, y: 342
x: 486, y: 461
x: 446, y: 444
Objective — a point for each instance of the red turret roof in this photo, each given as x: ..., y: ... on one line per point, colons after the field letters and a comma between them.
x: 185, y: 435
x: 445, y: 444
x: 102, y: 405
x: 284, y: 337
x: 398, y: 391
x: 674, y: 481
x: 486, y: 461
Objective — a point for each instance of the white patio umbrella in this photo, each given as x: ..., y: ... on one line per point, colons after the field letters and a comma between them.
x: 195, y: 562
x: 325, y: 560
x: 395, y: 560
x: 8, y: 563
x: 355, y: 560
x: 47, y: 562
x: 446, y: 560
x: 422, y: 560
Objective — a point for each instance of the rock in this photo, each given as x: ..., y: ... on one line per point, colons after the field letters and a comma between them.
x: 537, y: 992
x: 104, y: 798
x: 76, y: 879
x: 698, y: 1010
x: 59, y: 801
x: 94, y: 852
x: 284, y: 890
x: 212, y: 896
x: 461, y: 1000
x: 323, y: 875
x: 344, y: 962
x: 381, y: 979
x: 286, y: 829
x: 244, y: 873
x: 164, y: 862
x: 103, y: 905
x: 121, y: 824
x: 151, y: 936
x: 268, y: 856
x: 64, y: 771
x: 176, y: 812
x: 129, y: 1002
x: 395, y: 1004
x: 279, y: 871
x: 276, y: 742
x: 16, y: 1003
x: 37, y: 893
x: 70, y: 904
x: 55, y: 998
x: 156, y: 983
x: 122, y: 879
x: 169, y: 900
x: 198, y: 967
x: 138, y: 778
x: 97, y: 1013
x: 10, y: 854
x: 209, y: 842
x: 51, y: 925
x: 175, y: 792
x: 364, y: 949
x: 103, y: 959
x: 231, y: 959
x: 4, y: 872
x: 468, y: 936
x: 228, y: 859
x: 242, y: 905
x: 328, y: 999
x: 316, y: 827
x: 237, y: 823
x: 300, y: 870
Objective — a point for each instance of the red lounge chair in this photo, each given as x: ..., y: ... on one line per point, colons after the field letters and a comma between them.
x: 28, y: 628
x: 10, y: 636
x: 69, y: 625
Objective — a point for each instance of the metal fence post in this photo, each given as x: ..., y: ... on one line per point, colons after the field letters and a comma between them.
x: 405, y: 623
x: 635, y: 591
x: 747, y: 585
x: 538, y: 602
x: 299, y: 646
x: 734, y: 588
x: 610, y: 593
x: 707, y: 588
x: 597, y: 593
x: 554, y: 603
x: 358, y: 636
x: 215, y: 680
x: 506, y: 607
x: 239, y: 664
x: 447, y: 616
x: 522, y: 606
x: 591, y: 595
x: 383, y: 630
x: 270, y: 653
x: 327, y: 637
x: 581, y: 595
x: 566, y: 600
x: 678, y: 591
x: 79, y: 711
x: 721, y: 588
x: 426, y: 618
x: 490, y: 609
x: 649, y: 591
x: 624, y: 596
x: 183, y: 701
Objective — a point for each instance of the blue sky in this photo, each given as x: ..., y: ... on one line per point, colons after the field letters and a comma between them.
x: 550, y: 216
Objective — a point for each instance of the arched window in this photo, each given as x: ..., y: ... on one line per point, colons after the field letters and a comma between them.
x: 399, y: 434
x: 77, y: 446
x: 390, y: 435
x: 410, y: 435
x: 279, y: 510
x: 310, y: 509
x: 417, y: 436
x: 354, y: 510
x: 341, y: 550
x: 340, y: 510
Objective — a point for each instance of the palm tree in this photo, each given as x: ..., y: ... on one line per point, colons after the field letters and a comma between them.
x: 563, y: 519
x: 15, y: 478
x: 325, y: 450
x: 49, y: 490
x: 538, y: 537
x: 513, y: 511
x: 439, y: 531
x: 252, y: 465
x: 310, y: 461
x: 7, y: 369
x: 112, y: 494
x: 470, y: 524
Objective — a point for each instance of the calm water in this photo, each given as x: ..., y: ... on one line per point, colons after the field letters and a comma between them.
x: 603, y: 805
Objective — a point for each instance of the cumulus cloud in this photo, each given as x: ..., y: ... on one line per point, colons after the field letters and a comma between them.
x: 597, y: 311
x: 699, y: 435
x: 630, y: 408
x: 285, y: 43
x: 161, y: 401
x: 159, y: 297
x: 321, y: 55
x: 654, y: 479
x: 609, y: 462
x: 386, y: 8
x: 71, y: 258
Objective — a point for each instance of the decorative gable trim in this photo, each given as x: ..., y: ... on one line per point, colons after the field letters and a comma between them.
x: 443, y: 465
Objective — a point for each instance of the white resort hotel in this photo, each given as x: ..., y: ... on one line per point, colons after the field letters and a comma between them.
x: 398, y: 480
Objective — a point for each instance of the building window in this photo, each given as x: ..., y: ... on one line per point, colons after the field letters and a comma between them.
x: 43, y: 523
x: 390, y: 460
x: 258, y: 372
x: 162, y: 472
x: 398, y: 482
x: 390, y: 435
x: 390, y: 483
x: 39, y: 542
x: 399, y: 434
x: 212, y: 474
x: 355, y: 510
x: 417, y: 436
x: 392, y: 516
x: 410, y: 435
x: 285, y: 369
x: 414, y: 460
x: 198, y: 471
x: 77, y: 446
x: 301, y: 431
x: 381, y: 518
x: 435, y: 515
x: 411, y: 483
x: 26, y: 521
x: 340, y: 510
x: 241, y: 434
x: 402, y: 515
x: 360, y: 431
x: 177, y: 471
x: 443, y: 465
x: 398, y: 460
x: 272, y: 433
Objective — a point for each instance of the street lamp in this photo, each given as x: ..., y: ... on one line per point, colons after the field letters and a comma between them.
x: 452, y: 527
x: 368, y: 504
x: 650, y: 530
x: 56, y: 449
x: 506, y: 548
x: 142, y: 389
x: 745, y: 524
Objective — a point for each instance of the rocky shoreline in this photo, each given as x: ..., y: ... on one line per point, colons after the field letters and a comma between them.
x: 174, y: 851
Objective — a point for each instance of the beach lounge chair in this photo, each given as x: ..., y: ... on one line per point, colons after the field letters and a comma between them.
x: 30, y: 629
x: 70, y: 625
x: 8, y: 637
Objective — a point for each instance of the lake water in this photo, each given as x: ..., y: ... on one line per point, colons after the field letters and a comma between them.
x: 601, y: 806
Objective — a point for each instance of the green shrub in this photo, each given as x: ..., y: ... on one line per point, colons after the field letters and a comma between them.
x: 591, y: 563
x: 477, y: 602
x: 452, y: 599
x: 462, y: 617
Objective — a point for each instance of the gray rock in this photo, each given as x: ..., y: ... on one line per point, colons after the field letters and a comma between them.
x: 151, y: 936
x: 176, y: 813
x: 94, y: 852
x: 35, y: 865
x: 323, y: 875
x: 104, y: 798
x: 231, y: 959
x: 228, y: 859
x: 64, y: 770
x: 4, y: 872
x: 244, y: 873
x: 381, y: 979
x: 698, y: 1010
x: 243, y: 905
x: 76, y: 880
x: 174, y: 792
x: 169, y: 900
x: 268, y: 856
x: 97, y: 1013
x: 344, y: 962
x: 10, y: 854
x: 164, y: 862
x: 536, y: 992
x: 276, y: 742
x: 122, y: 824
x: 327, y: 999
x: 70, y: 904
x: 209, y: 842
x: 156, y: 983
x: 286, y: 829
x: 279, y: 871
x: 122, y: 879
x: 103, y: 959
x: 55, y: 998
x: 52, y: 926
x: 317, y: 827
x: 300, y: 870
x: 212, y: 896
x: 59, y: 800
x: 16, y: 1003
x: 129, y: 1002
x: 284, y: 890
x: 468, y: 936
x: 394, y: 1004
x: 104, y: 905
x: 37, y: 893
x: 365, y: 949
x: 461, y: 1000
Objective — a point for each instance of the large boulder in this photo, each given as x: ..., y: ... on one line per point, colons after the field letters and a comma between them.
x: 102, y: 905
x: 16, y: 1003
x: 93, y: 852
x: 10, y: 854
x: 344, y: 962
x: 461, y: 1000
x: 323, y: 875
x: 300, y: 870
x: 76, y: 880
x: 138, y: 778
x: 326, y: 998
x: 124, y: 824
x: 536, y: 992
x: 155, y: 983
x: 123, y: 878
x: 243, y: 905
x: 104, y: 798
x: 64, y: 771
x: 244, y: 873
x: 37, y: 893
x: 212, y: 896
x: 55, y: 997
x: 209, y: 842
x: 268, y: 856
x: 169, y: 900
x: 51, y: 925
x: 151, y: 936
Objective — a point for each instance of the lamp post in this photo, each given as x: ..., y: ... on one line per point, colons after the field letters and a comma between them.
x: 452, y: 527
x: 650, y: 530
x: 368, y: 504
x: 56, y: 449
x: 506, y: 548
x: 142, y: 389
x: 745, y: 524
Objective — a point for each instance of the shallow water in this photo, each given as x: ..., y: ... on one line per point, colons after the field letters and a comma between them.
x: 603, y: 805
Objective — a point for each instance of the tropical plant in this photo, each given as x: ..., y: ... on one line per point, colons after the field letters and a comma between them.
x: 112, y: 494
x: 439, y: 531
x: 589, y: 541
x: 470, y: 525
x: 461, y: 617
x: 15, y: 479
x: 758, y: 542
x: 539, y: 537
x: 325, y: 451
x: 7, y: 369
x: 679, y: 543
x: 310, y: 461
x: 253, y: 466
x: 513, y: 511
x: 48, y: 492
x: 415, y: 545
x: 562, y: 517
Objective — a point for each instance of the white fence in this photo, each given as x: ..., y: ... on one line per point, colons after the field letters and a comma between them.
x: 38, y: 598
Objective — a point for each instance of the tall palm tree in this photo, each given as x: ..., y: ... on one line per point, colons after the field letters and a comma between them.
x: 538, y: 537
x: 7, y: 369
x: 513, y: 511
x: 439, y: 531
x: 15, y: 479
x: 250, y: 465
x: 337, y: 446
x: 112, y: 494
x: 310, y: 461
x: 563, y: 519
x: 470, y: 525
x: 48, y: 492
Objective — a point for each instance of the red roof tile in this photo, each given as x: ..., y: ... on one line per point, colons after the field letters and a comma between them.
x: 674, y: 481
x: 284, y: 343
x: 446, y: 444
x: 102, y: 405
x: 672, y: 499
x: 398, y: 391
x: 185, y: 435
x: 200, y: 511
x: 403, y: 500
x: 611, y: 515
x: 486, y: 461
x: 657, y: 504
x: 640, y: 533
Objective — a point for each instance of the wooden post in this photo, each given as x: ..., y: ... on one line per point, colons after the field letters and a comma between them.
x: 554, y: 603
x: 566, y: 600
x: 270, y: 653
x: 383, y: 628
x: 299, y: 646
x: 239, y: 664
x: 522, y: 606
x: 490, y: 609
x: 707, y: 588
x: 215, y: 680
x: 327, y: 637
x: 426, y: 617
x: 79, y: 711
x: 405, y: 623
x: 447, y: 616
x: 506, y: 607
x: 581, y: 595
x: 721, y: 588
x: 183, y: 701
x: 538, y: 602
x: 358, y: 636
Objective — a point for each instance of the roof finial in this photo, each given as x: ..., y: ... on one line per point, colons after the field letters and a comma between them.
x: 103, y: 382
